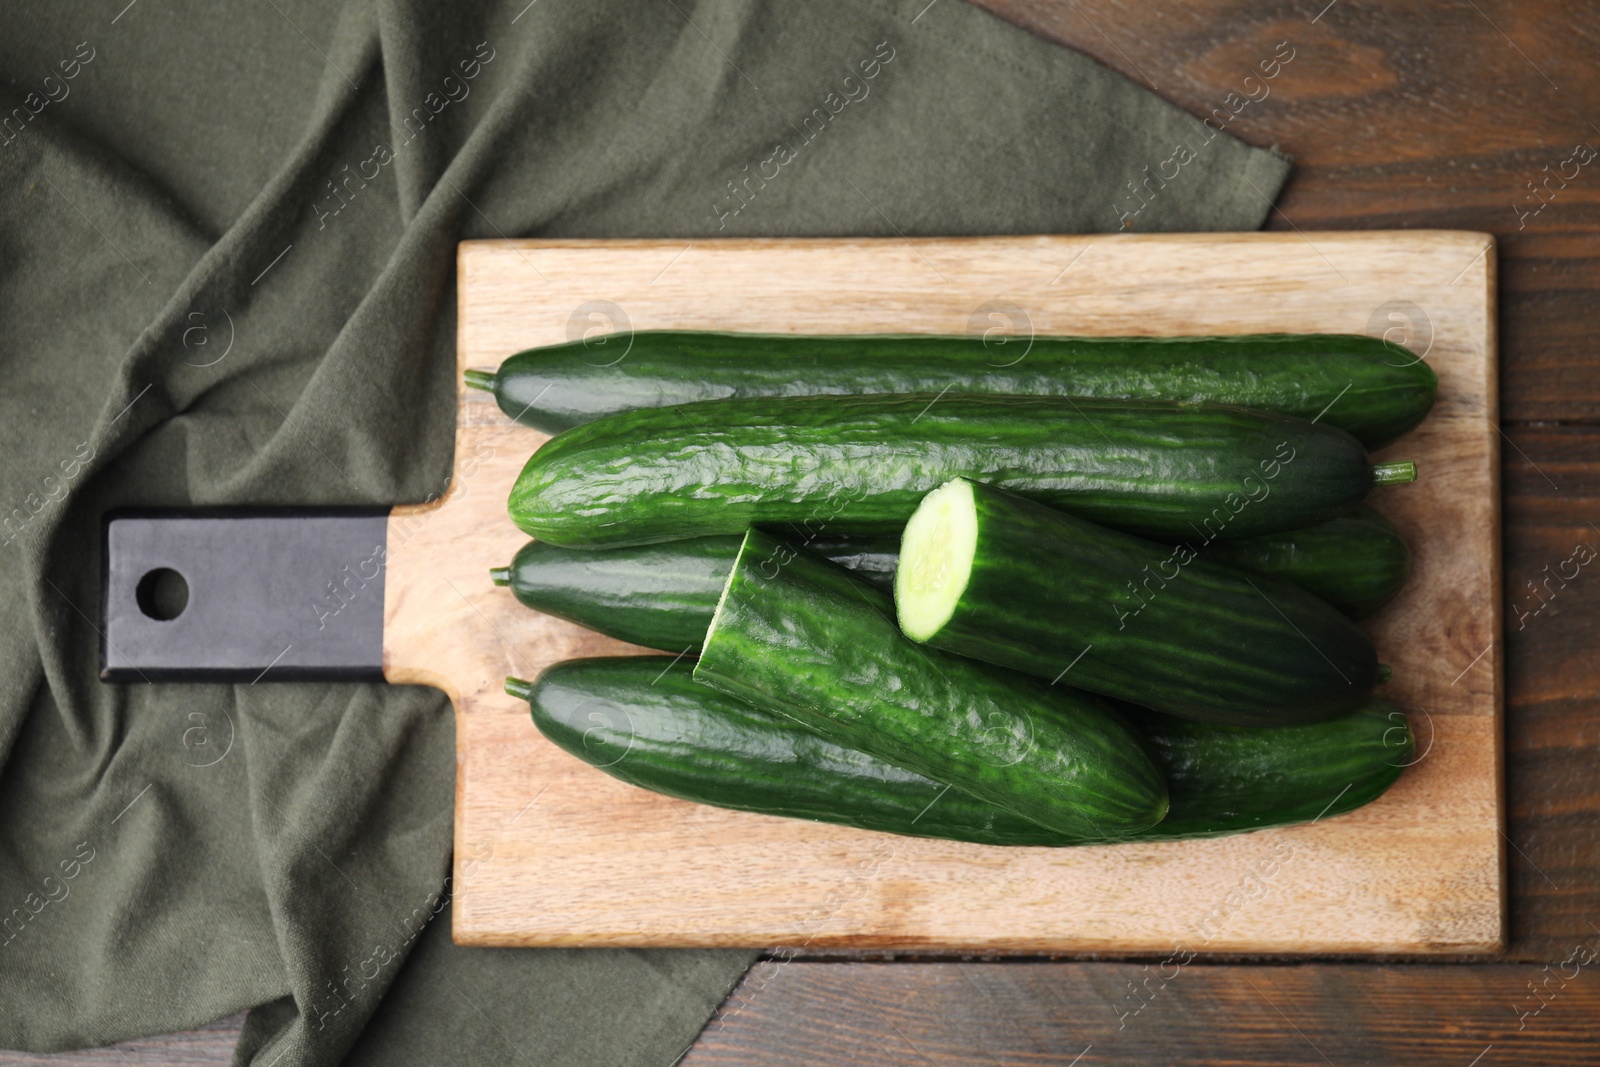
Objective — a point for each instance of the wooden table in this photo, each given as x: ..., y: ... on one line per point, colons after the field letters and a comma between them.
x: 1424, y: 115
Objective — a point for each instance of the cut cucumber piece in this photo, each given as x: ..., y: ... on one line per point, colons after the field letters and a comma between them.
x: 798, y: 636
x: 987, y: 574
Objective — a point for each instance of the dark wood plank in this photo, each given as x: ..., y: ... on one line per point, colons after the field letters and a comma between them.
x: 1090, y: 1014
x: 1551, y: 486
x: 209, y: 1046
x: 1404, y: 116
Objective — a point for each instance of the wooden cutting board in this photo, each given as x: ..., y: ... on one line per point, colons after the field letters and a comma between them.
x: 550, y: 851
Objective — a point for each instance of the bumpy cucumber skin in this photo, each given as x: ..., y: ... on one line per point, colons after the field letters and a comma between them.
x: 1063, y: 599
x: 1356, y: 562
x: 861, y: 464
x: 658, y: 596
x: 1374, y: 389
x: 644, y: 720
x: 662, y: 595
x: 798, y: 636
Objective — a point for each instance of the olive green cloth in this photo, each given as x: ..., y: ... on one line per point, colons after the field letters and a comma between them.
x: 226, y: 238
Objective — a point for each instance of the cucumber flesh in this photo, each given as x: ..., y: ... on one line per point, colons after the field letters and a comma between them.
x: 936, y: 549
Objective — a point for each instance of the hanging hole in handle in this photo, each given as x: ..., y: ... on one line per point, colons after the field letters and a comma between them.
x: 162, y: 594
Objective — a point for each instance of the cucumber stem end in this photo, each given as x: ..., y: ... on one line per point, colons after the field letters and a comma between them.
x: 1394, y: 473
x: 500, y: 575
x: 518, y: 688
x: 479, y: 379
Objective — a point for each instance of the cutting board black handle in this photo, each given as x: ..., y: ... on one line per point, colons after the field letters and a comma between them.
x: 251, y: 595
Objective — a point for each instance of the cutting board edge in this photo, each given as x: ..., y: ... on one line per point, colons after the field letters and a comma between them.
x: 1491, y: 370
x: 1492, y: 946
x: 1468, y: 238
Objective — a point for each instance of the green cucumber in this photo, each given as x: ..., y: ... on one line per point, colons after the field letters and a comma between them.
x: 797, y: 636
x: 1356, y: 562
x: 662, y: 595
x: 1369, y: 387
x: 645, y: 721
x: 1225, y: 779
x: 1002, y: 579
x: 861, y: 464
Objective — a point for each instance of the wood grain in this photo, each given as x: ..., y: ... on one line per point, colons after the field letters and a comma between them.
x: 1552, y: 501
x: 1093, y: 1014
x: 553, y: 852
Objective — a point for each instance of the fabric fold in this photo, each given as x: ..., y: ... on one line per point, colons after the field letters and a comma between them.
x: 227, y: 249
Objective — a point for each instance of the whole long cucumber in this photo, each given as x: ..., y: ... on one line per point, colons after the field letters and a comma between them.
x: 660, y: 595
x: 663, y: 595
x: 859, y: 464
x: 991, y: 575
x: 798, y: 636
x: 644, y: 720
x: 1369, y: 387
